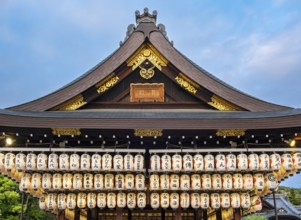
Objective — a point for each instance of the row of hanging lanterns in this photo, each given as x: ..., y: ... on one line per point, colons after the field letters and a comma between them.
x: 225, y: 162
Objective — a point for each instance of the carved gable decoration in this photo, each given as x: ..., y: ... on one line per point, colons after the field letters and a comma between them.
x: 147, y: 92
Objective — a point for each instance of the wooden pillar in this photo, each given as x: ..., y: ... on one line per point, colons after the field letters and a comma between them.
x: 92, y: 214
x: 129, y: 214
x: 76, y: 214
x: 178, y: 215
x: 119, y: 212
x: 237, y: 214
x: 218, y: 214
x: 61, y: 215
x: 205, y: 215
x: 162, y: 214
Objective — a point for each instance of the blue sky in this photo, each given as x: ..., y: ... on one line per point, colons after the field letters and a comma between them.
x: 254, y: 46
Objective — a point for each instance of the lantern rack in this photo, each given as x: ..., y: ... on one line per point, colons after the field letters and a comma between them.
x: 94, y: 191
x: 211, y: 171
x: 112, y: 171
x: 200, y: 191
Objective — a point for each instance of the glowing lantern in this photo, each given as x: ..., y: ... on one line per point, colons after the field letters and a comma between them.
x: 155, y: 200
x: 138, y: 162
x: 184, y: 200
x: 31, y: 161
x: 101, y: 200
x: 64, y: 162
x: 245, y: 200
x: 118, y: 162
x: 231, y: 162
x: 264, y: 161
x: 129, y: 181
x: 91, y: 200
x: 98, y: 181
x: 187, y: 162
x: 209, y: 162
x: 141, y: 200
x: 227, y: 181
x: 198, y: 162
x: 176, y: 161
x: 242, y: 161
x: 77, y: 181
x: 215, y: 201
x: 154, y: 182
x: 109, y: 181
x: 36, y: 181
x: 287, y: 161
x: 42, y: 161
x: 128, y: 162
x: 216, y: 181
x: 235, y: 200
x: 107, y: 162
x: 237, y: 181
x: 174, y: 200
x: 42, y: 202
x: 204, y: 200
x: 155, y: 162
x: 253, y: 161
x: 88, y: 181
x: 196, y: 181
x: 57, y: 181
x: 166, y: 162
x: 96, y: 162
x: 121, y: 200
x: 140, y: 182
x: 131, y: 200
x: 164, y: 181
x: 275, y: 161
x: 85, y: 162
x: 2, y: 156
x: 51, y: 201
x: 247, y: 181
x: 9, y: 161
x: 74, y: 162
x: 53, y: 161
x: 258, y: 180
x: 220, y: 162
x: 174, y: 181
x: 46, y: 181
x: 81, y: 200
x: 195, y: 200
x: 185, y: 182
x: 71, y: 201
x: 297, y: 161
x: 270, y: 181
x: 67, y: 181
x: 225, y: 200
x: 25, y: 182
x: 20, y: 162
x: 119, y: 181
x: 61, y: 201
x: 111, y: 200
x: 206, y: 181
x: 164, y: 200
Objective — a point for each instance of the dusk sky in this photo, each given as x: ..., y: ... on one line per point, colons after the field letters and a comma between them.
x: 254, y: 46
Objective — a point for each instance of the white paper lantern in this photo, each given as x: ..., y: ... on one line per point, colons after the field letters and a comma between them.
x: 47, y: 181
x: 198, y: 162
x: 155, y: 163
x: 216, y: 181
x: 9, y: 161
x: 256, y: 203
x: 74, y: 162
x: 129, y: 181
x: 51, y: 201
x: 235, y: 200
x: 138, y: 162
x: 174, y: 200
x: 174, y: 182
x: 141, y: 200
x: 264, y: 161
x: 195, y: 200
x: 245, y: 200
x: 85, y: 162
x: 185, y: 182
x: 64, y: 162
x: 164, y: 182
x: 155, y: 200
x: 91, y: 200
x: 231, y: 162
x: 184, y: 200
x: 119, y: 181
x: 25, y: 182
x: 121, y: 200
x: 196, y: 182
x: 242, y: 161
x: 107, y: 161
x: 187, y: 162
x: 42, y: 202
x: 140, y: 182
x: 258, y: 179
x: 225, y: 200
x: 71, y: 200
x: 227, y: 181
x: 206, y: 181
x: 166, y: 162
x: 111, y: 200
x: 98, y: 181
x: 164, y: 200
x: 154, y: 182
x: 118, y: 162
x: 77, y: 181
x: 67, y: 181
x: 275, y: 161
x: 36, y: 181
x: 109, y: 181
x: 96, y: 162
x: 287, y: 161
x: 57, y: 181
x: 20, y: 162
x: 88, y: 181
x: 237, y: 181
x: 176, y: 162
x: 128, y: 162
x: 53, y: 161
x: 204, y: 200
x: 220, y: 162
x: 62, y: 201
x: 247, y: 181
x: 101, y: 200
x: 131, y: 200
x: 215, y: 201
x: 297, y: 161
x: 253, y: 161
x: 2, y: 156
x: 209, y: 162
x: 270, y: 181
x: 81, y: 200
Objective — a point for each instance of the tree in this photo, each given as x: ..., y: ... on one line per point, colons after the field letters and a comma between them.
x: 254, y: 217
x: 293, y: 197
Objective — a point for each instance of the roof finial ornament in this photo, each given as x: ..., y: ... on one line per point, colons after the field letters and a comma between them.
x: 146, y: 17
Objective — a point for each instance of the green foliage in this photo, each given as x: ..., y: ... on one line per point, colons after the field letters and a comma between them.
x: 294, y: 194
x: 254, y: 217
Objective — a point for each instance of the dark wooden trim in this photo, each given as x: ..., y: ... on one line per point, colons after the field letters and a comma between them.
x: 237, y: 214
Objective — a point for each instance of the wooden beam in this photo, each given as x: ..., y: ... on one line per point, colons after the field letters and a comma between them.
x: 218, y: 214
x: 61, y: 215
x: 119, y: 212
x: 92, y: 214
x: 178, y: 215
x: 237, y: 214
x: 205, y: 214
